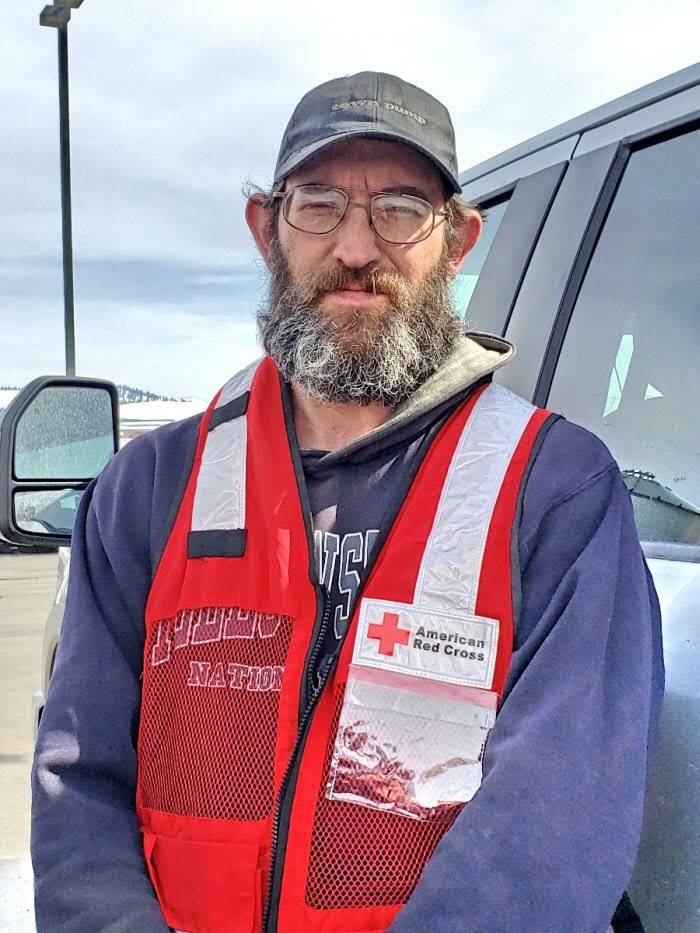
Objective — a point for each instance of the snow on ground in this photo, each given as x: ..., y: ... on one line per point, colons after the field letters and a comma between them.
x: 161, y: 412
x: 138, y: 417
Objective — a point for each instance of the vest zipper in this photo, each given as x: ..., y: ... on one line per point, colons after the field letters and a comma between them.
x: 286, y: 794
x: 308, y: 696
x: 283, y: 805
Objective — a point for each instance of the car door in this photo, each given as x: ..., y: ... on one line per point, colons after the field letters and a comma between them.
x: 607, y: 324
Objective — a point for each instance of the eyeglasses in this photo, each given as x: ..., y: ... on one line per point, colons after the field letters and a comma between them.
x: 396, y: 218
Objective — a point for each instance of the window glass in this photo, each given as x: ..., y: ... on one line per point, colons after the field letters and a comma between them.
x: 465, y: 281
x: 629, y: 364
x: 42, y: 511
x: 65, y: 433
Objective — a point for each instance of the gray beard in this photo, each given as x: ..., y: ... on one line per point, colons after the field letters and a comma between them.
x: 368, y: 357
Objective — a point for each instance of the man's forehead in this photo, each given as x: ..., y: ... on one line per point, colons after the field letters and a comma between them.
x: 392, y: 163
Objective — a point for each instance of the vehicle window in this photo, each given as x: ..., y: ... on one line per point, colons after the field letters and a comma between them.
x: 628, y: 369
x: 465, y: 282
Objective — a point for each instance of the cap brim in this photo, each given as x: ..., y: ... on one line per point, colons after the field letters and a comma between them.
x: 302, y: 156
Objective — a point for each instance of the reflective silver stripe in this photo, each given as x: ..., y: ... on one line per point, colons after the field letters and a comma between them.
x: 238, y: 384
x: 449, y: 574
x: 219, y: 499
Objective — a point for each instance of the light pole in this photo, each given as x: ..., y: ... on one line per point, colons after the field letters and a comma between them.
x: 57, y: 16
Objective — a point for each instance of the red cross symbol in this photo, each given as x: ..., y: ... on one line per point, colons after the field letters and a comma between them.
x: 388, y: 633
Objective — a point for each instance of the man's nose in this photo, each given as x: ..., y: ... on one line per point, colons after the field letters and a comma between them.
x: 356, y: 243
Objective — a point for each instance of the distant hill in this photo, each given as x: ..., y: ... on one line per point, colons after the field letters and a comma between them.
x: 128, y: 395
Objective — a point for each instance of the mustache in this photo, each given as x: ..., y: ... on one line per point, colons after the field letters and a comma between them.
x: 379, y: 282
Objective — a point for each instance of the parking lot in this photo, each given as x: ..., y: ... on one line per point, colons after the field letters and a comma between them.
x: 27, y: 583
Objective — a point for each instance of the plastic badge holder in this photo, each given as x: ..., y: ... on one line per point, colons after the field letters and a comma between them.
x: 407, y: 744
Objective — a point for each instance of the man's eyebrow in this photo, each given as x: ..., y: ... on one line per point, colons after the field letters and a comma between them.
x: 391, y: 189
x: 407, y: 189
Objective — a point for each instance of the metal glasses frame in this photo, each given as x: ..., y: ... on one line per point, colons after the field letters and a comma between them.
x: 285, y: 196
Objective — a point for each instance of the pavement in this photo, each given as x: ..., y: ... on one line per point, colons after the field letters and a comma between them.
x: 27, y: 586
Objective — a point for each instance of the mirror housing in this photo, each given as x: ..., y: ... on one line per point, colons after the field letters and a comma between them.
x: 58, y: 456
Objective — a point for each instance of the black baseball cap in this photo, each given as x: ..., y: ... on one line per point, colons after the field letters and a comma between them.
x: 369, y: 104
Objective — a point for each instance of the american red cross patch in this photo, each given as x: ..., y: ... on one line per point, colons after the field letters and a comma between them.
x: 407, y: 639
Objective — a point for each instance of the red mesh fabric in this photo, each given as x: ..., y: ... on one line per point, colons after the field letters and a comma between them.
x: 362, y: 857
x: 211, y: 689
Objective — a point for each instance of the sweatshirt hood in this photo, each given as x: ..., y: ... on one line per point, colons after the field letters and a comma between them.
x: 474, y: 358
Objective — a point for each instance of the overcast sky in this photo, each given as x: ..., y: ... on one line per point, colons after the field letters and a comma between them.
x: 174, y: 106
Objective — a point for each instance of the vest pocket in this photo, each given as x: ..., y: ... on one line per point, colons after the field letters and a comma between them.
x: 204, y: 887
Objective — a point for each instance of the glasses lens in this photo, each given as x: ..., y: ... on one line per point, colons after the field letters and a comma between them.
x: 401, y: 218
x: 315, y: 208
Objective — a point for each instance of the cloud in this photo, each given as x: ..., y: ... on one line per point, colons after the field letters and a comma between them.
x: 160, y: 326
x: 161, y: 346
x: 215, y: 280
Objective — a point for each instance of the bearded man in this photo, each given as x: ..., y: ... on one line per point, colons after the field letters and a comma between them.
x: 371, y: 644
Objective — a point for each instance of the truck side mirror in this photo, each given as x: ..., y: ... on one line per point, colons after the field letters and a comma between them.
x: 56, y: 436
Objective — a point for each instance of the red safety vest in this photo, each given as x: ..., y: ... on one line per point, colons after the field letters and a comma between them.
x: 234, y: 750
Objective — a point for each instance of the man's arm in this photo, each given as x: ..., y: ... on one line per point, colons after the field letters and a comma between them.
x: 90, y: 874
x: 549, y: 841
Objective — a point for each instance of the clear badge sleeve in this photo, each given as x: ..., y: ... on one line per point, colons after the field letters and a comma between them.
x: 408, y: 744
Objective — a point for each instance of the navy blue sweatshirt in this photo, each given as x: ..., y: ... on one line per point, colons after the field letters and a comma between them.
x: 548, y: 842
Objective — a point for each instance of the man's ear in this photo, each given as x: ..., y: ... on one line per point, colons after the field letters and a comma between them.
x: 258, y: 217
x: 467, y: 230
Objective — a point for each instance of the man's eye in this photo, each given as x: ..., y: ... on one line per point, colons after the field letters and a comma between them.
x: 398, y: 208
x: 319, y: 206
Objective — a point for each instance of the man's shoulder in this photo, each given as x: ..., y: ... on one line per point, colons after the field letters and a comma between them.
x: 568, y: 460
x: 149, y: 472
